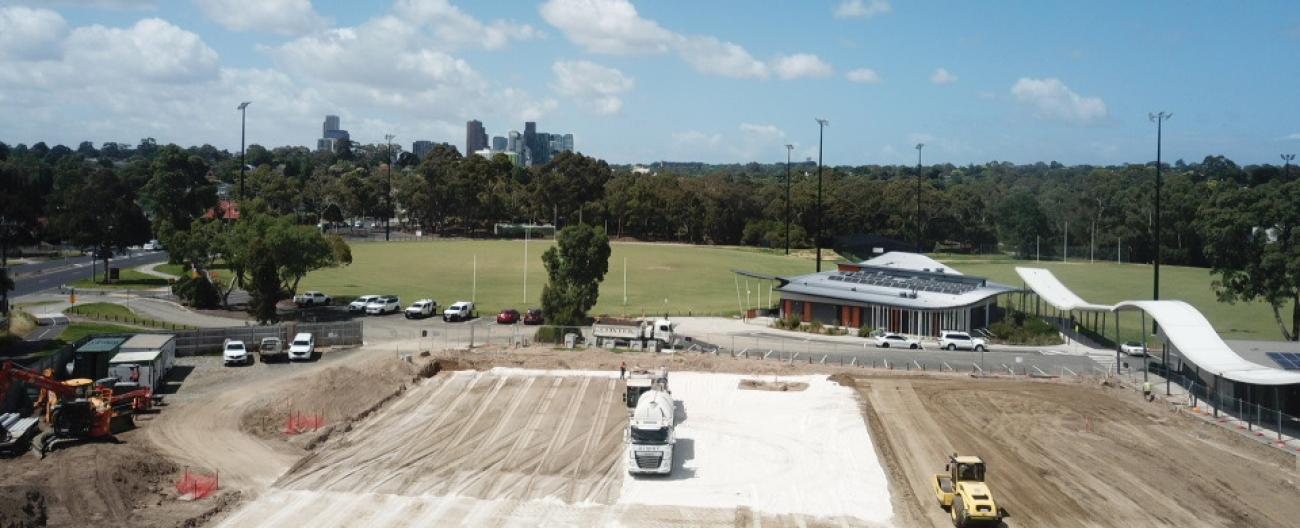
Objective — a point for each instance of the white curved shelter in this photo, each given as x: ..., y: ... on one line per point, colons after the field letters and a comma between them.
x: 1050, y: 289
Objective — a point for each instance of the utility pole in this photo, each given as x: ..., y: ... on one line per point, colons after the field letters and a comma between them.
x: 388, y: 215
x: 1159, y: 118
x: 919, y: 146
x: 788, y: 148
x: 817, y: 238
x: 242, y: 110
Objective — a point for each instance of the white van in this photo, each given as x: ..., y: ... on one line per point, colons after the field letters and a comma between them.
x: 302, y: 347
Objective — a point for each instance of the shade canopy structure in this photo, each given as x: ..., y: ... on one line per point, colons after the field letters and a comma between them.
x: 1050, y: 289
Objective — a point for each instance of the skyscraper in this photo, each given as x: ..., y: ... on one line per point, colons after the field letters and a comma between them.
x: 476, y: 138
x: 498, y: 143
x: 421, y: 149
x: 568, y: 143
x: 331, y: 134
x: 515, y: 142
x: 530, y: 143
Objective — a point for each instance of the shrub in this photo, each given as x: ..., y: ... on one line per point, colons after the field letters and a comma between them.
x: 1030, y: 331
x: 555, y: 334
x: 865, y: 331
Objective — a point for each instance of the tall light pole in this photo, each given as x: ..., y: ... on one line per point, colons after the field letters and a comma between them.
x: 1159, y: 118
x: 788, y: 149
x: 242, y: 107
x: 817, y: 238
x: 1286, y: 170
x: 919, y: 146
x: 389, y: 193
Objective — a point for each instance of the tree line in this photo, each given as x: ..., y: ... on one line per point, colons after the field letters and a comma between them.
x: 1040, y: 210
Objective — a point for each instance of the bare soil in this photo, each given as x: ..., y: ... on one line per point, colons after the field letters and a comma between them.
x: 1068, y: 454
x: 772, y: 385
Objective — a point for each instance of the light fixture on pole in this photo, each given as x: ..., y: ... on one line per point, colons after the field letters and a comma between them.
x: 1159, y: 118
x: 817, y: 237
x: 242, y: 110
x: 788, y: 149
x: 919, y: 146
x: 388, y: 215
x: 1286, y: 170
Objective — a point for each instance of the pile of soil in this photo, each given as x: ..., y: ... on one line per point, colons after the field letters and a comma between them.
x: 94, y: 484
x: 338, y: 395
x: 775, y: 386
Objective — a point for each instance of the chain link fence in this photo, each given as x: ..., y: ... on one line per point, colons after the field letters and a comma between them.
x: 210, y: 340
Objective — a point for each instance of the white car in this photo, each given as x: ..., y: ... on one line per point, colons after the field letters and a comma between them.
x: 383, y: 305
x: 302, y: 346
x: 312, y: 298
x: 233, y: 352
x: 951, y: 340
x: 460, y: 311
x: 1133, y: 348
x: 897, y: 341
x: 359, y: 305
x: 421, y: 309
x: 152, y: 245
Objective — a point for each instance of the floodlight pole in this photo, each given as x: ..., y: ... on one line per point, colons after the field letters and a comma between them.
x: 1159, y: 118
x: 919, y: 146
x: 1286, y: 170
x: 817, y: 238
x: 788, y: 148
x: 388, y: 194
x: 242, y: 110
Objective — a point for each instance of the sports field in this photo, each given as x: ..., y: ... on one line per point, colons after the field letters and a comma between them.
x: 1108, y: 283
x: 661, y: 278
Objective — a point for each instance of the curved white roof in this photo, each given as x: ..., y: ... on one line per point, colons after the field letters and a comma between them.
x: 910, y: 261
x: 1197, y: 342
x: 1047, y: 286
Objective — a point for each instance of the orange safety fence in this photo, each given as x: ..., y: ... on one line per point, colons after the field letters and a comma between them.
x: 195, y: 486
x: 302, y: 423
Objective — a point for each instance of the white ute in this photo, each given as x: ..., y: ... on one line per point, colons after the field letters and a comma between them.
x: 952, y: 340
x: 651, y: 433
x: 458, y: 311
x: 302, y: 346
x: 233, y: 352
x: 359, y: 305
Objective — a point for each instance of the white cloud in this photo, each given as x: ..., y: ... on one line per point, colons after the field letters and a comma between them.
x: 31, y: 34
x: 1295, y: 136
x: 751, y: 141
x: 801, y: 65
x: 106, y: 4
x: 766, y: 132
x: 284, y: 17
x: 455, y: 28
x: 1052, y: 100
x: 941, y: 76
x: 614, y: 27
x: 594, y: 86
x: 861, y: 9
x: 863, y: 76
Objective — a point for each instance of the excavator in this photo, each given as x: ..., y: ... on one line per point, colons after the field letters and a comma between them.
x: 77, y: 409
x: 963, y: 492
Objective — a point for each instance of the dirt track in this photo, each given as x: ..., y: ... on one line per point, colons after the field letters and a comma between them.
x: 1135, y: 464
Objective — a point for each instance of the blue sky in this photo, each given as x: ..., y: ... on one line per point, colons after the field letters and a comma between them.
x: 720, y: 81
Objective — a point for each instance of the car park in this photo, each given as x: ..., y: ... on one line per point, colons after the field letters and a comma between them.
x: 383, y: 305
x: 897, y: 341
x: 312, y: 298
x: 954, y: 340
x: 421, y: 309
x: 533, y: 317
x: 1133, y: 348
x: 270, y: 349
x: 302, y: 346
x: 233, y: 352
x: 358, y: 305
x: 508, y: 316
x: 459, y: 311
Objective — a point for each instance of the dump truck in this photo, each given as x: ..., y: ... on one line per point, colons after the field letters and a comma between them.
x: 639, y: 381
x: 963, y: 492
x: 634, y: 333
x: 651, y: 433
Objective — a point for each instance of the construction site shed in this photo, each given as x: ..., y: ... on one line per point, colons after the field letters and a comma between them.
x: 91, y: 359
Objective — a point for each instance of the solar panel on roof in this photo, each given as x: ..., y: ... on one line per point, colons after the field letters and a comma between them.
x: 1287, y: 360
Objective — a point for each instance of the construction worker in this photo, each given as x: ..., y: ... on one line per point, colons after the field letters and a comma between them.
x: 622, y: 369
x: 1146, y: 391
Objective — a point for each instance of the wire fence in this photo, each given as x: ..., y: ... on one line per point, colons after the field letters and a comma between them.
x: 210, y: 340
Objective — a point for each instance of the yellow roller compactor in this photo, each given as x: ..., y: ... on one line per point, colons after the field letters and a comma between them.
x: 963, y: 492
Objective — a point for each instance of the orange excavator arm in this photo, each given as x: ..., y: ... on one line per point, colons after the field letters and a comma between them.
x: 11, y: 371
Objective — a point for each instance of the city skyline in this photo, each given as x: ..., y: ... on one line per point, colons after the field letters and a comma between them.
x: 669, y: 81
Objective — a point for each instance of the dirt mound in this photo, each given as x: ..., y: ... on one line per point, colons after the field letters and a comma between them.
x: 336, y: 395
x: 82, y: 485
x: 774, y: 385
x: 843, y: 378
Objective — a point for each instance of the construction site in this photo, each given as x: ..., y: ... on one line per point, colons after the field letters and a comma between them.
x: 541, y: 436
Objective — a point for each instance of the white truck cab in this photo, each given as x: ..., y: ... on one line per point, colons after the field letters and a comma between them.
x: 459, y: 311
x: 302, y: 346
x: 651, y: 434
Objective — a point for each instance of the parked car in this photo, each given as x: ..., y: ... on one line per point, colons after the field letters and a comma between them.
x: 421, y: 309
x: 897, y: 341
x: 508, y: 316
x: 358, y: 305
x: 153, y: 245
x: 233, y: 352
x: 384, y: 305
x: 1133, y: 348
x: 533, y: 317
x: 270, y: 349
x: 302, y: 346
x: 459, y: 311
x: 951, y: 340
x: 312, y: 298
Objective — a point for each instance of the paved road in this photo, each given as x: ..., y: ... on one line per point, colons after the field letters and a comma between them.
x: 51, y: 325
x: 50, y: 276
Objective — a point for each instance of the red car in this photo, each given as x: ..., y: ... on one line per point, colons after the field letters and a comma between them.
x: 508, y: 316
x: 533, y: 317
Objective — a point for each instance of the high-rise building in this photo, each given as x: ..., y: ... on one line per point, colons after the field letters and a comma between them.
x: 532, y: 149
x: 514, y: 142
x: 331, y: 134
x: 421, y: 148
x: 498, y: 143
x: 568, y: 143
x: 476, y: 138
